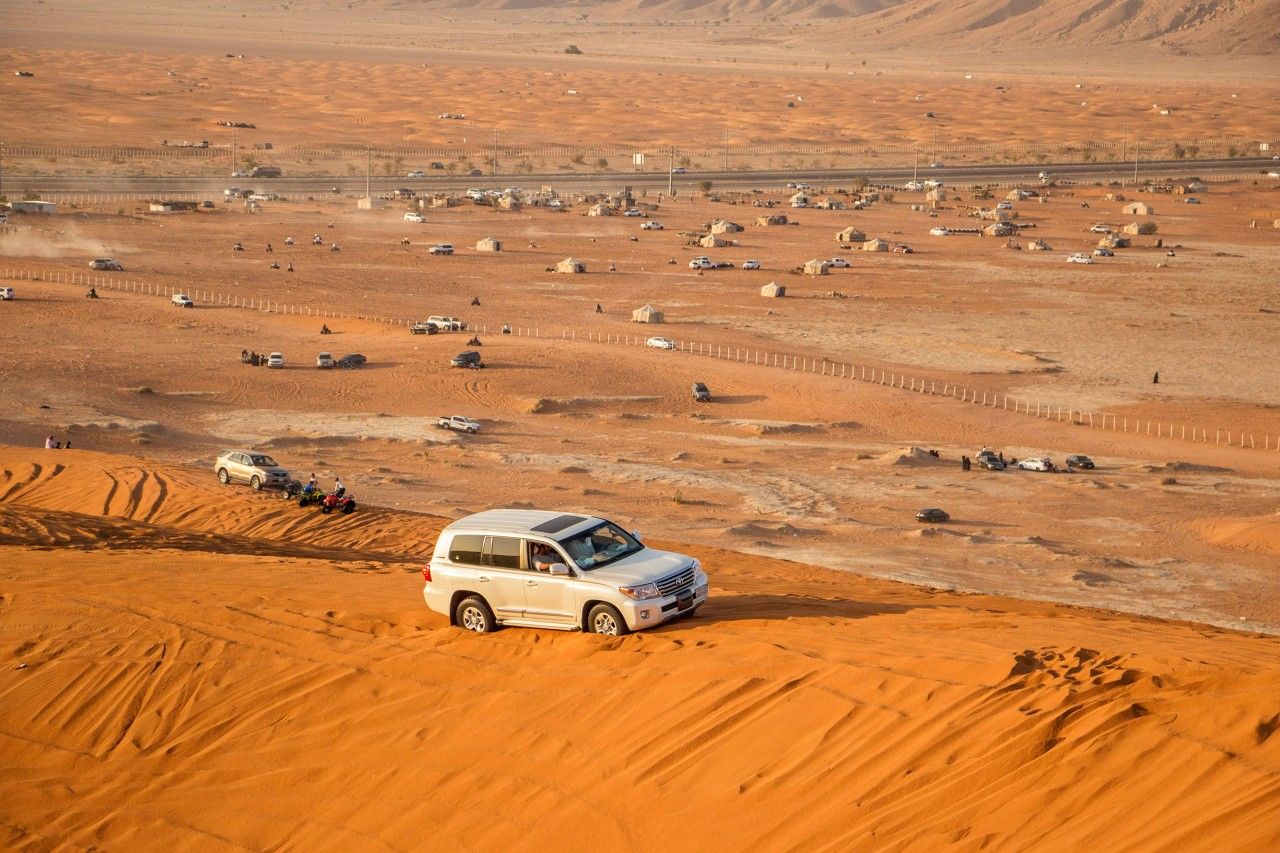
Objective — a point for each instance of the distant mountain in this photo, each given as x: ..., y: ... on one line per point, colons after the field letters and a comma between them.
x: 1200, y: 27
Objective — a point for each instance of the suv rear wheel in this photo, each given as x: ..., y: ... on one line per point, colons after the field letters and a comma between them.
x: 473, y: 613
x: 605, y: 619
x: 223, y: 477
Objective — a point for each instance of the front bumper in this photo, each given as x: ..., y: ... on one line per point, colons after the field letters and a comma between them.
x: 655, y: 611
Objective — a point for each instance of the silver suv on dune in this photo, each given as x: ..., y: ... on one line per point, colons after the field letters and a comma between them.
x: 245, y: 466
x: 556, y: 570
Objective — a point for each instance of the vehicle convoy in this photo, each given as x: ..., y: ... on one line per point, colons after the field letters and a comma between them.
x: 458, y: 422
x: 257, y: 469
x: 545, y: 569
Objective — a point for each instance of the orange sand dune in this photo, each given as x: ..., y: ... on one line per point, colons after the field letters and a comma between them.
x: 1260, y: 534
x: 195, y: 666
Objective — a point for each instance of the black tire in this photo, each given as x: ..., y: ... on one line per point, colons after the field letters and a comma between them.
x: 348, y: 507
x: 302, y: 501
x: 255, y: 483
x: 223, y: 477
x: 325, y: 509
x: 606, y: 620
x: 473, y: 614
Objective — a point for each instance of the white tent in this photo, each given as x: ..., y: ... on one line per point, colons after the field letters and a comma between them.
x: 647, y: 314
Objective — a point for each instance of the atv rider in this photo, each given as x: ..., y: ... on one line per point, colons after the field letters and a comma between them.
x: 338, y: 489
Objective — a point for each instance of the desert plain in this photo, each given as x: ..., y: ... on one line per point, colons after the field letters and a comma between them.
x: 1083, y: 659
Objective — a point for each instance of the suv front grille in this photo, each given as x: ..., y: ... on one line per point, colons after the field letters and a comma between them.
x: 672, y: 584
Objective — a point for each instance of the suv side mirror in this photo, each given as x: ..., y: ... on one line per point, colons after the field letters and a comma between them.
x: 559, y: 569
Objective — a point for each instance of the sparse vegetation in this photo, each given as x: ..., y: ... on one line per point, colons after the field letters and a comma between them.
x: 573, y: 50
x: 704, y: 187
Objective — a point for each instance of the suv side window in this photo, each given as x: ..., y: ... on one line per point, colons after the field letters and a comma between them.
x: 504, y: 552
x: 466, y: 549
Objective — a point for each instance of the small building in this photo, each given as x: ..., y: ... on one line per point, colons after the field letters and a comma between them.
x: 173, y: 206
x: 44, y: 208
x: 1138, y: 208
x: 1115, y: 197
x: 489, y: 244
x: 998, y: 229
x: 831, y: 203
x: 572, y: 266
x: 509, y: 202
x: 772, y: 219
x: 817, y: 267
x: 773, y: 290
x: 439, y: 201
x: 712, y: 241
x: 875, y: 245
x: 799, y: 200
x: 723, y: 226
x: 647, y: 314
x: 600, y: 209
x: 851, y: 235
x: 936, y: 194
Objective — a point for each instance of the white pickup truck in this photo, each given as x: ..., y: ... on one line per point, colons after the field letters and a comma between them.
x: 458, y: 422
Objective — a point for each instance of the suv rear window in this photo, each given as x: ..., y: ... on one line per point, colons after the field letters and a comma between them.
x: 466, y: 549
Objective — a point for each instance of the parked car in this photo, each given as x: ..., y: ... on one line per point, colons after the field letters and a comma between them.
x: 1079, y: 460
x: 701, y: 394
x: 352, y: 360
x: 106, y: 264
x: 474, y: 173
x: 544, y: 569
x: 990, y: 461
x: 244, y: 466
x: 441, y: 249
x: 751, y: 265
x: 701, y: 264
x: 263, y: 197
x: 1099, y: 229
x: 447, y: 324
x: 470, y: 359
x: 679, y: 170
x: 416, y: 173
x: 939, y: 231
x: 325, y: 361
x: 275, y: 360
x: 913, y: 186
x: 660, y: 343
x: 937, y: 164
x: 435, y: 165
x: 631, y: 211
x: 1191, y: 200
x: 933, y: 515
x: 459, y: 423
x: 414, y: 216
x: 424, y: 328
x: 1079, y: 258
x: 839, y: 263
x: 1041, y: 463
x: 181, y: 300
x: 1005, y: 205
x: 1104, y: 252
x: 6, y: 293
x: 651, y: 225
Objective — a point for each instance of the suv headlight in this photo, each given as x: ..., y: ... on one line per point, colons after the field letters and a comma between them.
x: 641, y: 591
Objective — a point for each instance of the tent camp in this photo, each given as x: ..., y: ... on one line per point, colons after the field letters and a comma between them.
x: 773, y: 290
x: 712, y: 241
x: 489, y: 244
x: 875, y: 245
x: 772, y: 219
x: 647, y: 314
x: 850, y: 235
x: 817, y: 267
x: 600, y: 209
x: 1140, y: 228
x: 571, y: 265
x: 1138, y: 208
x: 998, y: 229
x: 723, y: 226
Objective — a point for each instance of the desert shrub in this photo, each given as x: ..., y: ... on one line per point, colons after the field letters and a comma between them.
x: 1147, y: 227
x: 573, y: 49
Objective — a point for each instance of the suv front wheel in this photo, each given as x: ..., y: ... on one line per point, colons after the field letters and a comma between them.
x: 605, y: 619
x: 473, y: 613
x: 255, y: 483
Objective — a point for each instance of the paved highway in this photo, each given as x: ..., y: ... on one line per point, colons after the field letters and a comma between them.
x: 607, y: 181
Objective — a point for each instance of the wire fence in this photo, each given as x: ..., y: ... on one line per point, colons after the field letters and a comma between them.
x: 822, y: 366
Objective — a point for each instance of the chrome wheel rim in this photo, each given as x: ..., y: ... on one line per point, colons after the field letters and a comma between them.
x: 605, y: 624
x: 473, y: 620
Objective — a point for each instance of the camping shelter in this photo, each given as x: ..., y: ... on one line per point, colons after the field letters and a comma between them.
x: 875, y: 245
x: 1138, y: 208
x: 712, y: 241
x: 773, y: 290
x: 571, y: 266
x: 772, y: 219
x: 600, y: 209
x: 817, y: 267
x: 489, y: 244
x: 647, y: 314
x: 850, y: 235
x: 723, y: 226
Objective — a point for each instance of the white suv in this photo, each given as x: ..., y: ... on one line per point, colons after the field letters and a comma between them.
x: 556, y: 570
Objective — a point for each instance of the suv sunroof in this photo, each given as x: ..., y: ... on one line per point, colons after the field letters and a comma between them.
x: 560, y: 522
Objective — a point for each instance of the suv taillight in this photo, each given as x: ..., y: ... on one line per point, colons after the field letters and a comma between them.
x: 426, y: 574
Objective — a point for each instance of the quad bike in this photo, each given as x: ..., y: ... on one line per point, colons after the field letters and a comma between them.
x: 313, y: 497
x: 293, y: 488
x: 342, y: 503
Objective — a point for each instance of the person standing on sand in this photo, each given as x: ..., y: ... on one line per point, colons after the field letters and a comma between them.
x: 1155, y: 379
x: 48, y: 443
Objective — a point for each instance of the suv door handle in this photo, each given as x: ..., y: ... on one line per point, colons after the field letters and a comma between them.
x: 531, y: 583
x: 483, y: 579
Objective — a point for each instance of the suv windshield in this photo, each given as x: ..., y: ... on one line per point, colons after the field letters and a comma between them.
x: 600, y: 545
x: 263, y: 461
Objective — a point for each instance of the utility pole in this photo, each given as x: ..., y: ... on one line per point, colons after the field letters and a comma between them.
x: 1135, y: 162
x: 671, y: 172
x: 368, y: 164
x: 915, y: 170
x: 1, y: 168
x: 495, y: 152
x: 233, y: 152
